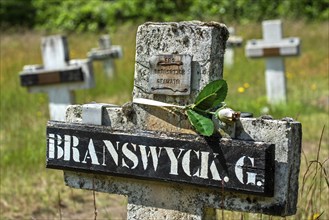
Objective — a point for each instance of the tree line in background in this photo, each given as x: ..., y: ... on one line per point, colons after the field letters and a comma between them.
x: 97, y: 15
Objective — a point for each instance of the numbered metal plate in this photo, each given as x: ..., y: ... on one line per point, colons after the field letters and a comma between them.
x: 170, y: 74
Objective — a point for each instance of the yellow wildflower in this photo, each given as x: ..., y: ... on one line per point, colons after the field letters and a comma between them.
x: 313, y: 86
x: 316, y: 216
x: 246, y: 85
x: 39, y: 114
x: 290, y: 75
x: 241, y: 89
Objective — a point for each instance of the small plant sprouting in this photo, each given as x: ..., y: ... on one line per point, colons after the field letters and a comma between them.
x: 208, y: 103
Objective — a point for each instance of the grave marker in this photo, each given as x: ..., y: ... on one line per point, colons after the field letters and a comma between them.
x: 154, y: 157
x: 106, y: 53
x: 274, y: 49
x: 58, y: 77
x: 232, y: 42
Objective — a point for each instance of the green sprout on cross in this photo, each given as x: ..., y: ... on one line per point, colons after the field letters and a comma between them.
x: 208, y: 104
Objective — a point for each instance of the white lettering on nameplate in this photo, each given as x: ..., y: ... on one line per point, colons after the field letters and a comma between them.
x: 231, y: 165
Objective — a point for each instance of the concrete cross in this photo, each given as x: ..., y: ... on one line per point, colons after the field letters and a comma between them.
x: 274, y: 48
x: 59, y: 76
x: 232, y: 42
x: 106, y: 53
x: 154, y: 157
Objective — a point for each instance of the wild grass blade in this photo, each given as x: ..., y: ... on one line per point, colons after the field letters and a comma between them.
x: 59, y: 205
x: 94, y: 200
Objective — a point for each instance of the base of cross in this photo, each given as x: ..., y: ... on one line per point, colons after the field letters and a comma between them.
x: 256, y: 171
x: 151, y: 199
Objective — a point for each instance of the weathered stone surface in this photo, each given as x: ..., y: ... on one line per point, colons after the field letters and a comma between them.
x: 285, y: 135
x: 55, y: 52
x: 205, y: 42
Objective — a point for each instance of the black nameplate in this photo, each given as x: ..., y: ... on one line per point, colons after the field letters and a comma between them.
x: 42, y: 77
x: 243, y: 166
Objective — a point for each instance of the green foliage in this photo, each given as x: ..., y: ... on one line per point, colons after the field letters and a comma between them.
x: 318, y: 10
x: 211, y: 95
x: 257, y: 10
x: 200, y: 114
x: 97, y: 15
x: 72, y: 15
x: 17, y: 13
x: 201, y: 123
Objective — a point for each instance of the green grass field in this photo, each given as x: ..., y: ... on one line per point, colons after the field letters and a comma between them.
x: 29, y: 191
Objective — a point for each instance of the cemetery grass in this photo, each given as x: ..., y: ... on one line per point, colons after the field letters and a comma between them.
x: 28, y: 190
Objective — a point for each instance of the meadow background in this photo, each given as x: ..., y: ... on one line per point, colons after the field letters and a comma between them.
x: 30, y: 191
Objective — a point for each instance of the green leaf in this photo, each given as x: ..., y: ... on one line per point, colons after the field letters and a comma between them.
x: 202, y: 125
x: 211, y: 95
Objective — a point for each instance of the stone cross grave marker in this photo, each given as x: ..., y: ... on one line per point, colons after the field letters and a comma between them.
x: 232, y: 42
x: 106, y: 53
x: 152, y: 155
x: 58, y: 76
x: 274, y: 48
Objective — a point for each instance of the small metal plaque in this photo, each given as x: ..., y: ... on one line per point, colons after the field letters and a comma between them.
x: 170, y: 74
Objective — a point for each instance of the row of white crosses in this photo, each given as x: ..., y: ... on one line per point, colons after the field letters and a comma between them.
x: 60, y: 77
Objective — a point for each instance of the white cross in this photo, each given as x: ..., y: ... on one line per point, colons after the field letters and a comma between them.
x: 106, y: 53
x: 232, y: 42
x: 274, y: 48
x: 58, y: 76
